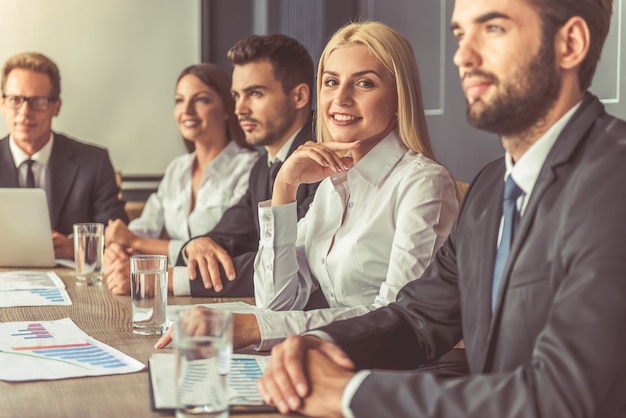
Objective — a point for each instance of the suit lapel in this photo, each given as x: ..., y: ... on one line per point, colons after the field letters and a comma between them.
x: 485, y: 225
x: 8, y: 173
x: 62, y: 170
x: 568, y: 141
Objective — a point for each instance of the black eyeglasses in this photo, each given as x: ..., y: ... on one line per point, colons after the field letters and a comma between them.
x: 35, y: 102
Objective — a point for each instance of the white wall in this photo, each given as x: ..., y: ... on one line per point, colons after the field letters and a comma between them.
x: 119, y: 60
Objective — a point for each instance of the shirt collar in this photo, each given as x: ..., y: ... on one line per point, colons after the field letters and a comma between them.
x: 526, y: 171
x: 379, y: 161
x: 42, y: 156
x: 283, y: 153
x: 229, y: 152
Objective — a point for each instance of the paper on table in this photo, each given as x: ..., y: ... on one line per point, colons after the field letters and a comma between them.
x: 70, y: 264
x: 32, y: 288
x: 48, y: 350
x: 234, y: 307
x: 245, y: 371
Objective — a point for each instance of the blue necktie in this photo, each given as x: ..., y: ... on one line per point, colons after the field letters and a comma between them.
x: 511, y: 221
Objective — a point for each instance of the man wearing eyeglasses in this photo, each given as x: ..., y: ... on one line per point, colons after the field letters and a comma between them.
x: 78, y: 178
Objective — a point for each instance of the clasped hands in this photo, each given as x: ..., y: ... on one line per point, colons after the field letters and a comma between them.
x: 307, y: 375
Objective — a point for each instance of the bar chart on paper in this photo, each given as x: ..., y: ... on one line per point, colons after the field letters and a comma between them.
x: 32, y: 331
x: 243, y: 394
x: 244, y: 373
x: 55, y: 350
x: 26, y: 288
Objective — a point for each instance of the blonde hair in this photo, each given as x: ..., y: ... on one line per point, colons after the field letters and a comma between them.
x: 38, y: 63
x: 395, y: 53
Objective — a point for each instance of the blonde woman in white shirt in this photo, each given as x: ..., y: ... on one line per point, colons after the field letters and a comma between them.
x: 384, y: 205
x: 198, y: 187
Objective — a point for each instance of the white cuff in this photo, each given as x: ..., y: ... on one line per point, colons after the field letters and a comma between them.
x: 273, y: 233
x: 173, y: 248
x: 321, y: 335
x: 180, y: 281
x: 348, y: 393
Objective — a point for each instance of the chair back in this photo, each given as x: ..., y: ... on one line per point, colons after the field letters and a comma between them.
x: 461, y: 187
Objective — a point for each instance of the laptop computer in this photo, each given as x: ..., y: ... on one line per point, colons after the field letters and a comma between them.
x: 25, y: 234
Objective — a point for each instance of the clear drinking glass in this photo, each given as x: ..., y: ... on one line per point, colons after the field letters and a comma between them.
x: 203, y: 339
x: 88, y: 248
x: 148, y: 291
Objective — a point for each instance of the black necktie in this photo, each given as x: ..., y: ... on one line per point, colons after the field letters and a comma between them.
x: 30, y: 176
x: 511, y: 220
x: 274, y: 167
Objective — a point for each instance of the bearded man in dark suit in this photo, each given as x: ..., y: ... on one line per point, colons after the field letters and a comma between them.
x: 533, y: 275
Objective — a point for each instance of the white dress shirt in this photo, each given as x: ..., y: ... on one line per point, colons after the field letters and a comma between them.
x: 369, y: 231
x: 181, y: 285
x: 40, y: 167
x: 283, y: 152
x: 525, y: 173
x: 224, y: 183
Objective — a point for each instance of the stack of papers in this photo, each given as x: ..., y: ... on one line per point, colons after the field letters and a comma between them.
x: 32, y: 288
x: 47, y: 350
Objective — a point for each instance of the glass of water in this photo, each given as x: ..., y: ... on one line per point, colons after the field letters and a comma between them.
x: 88, y: 248
x: 203, y: 339
x: 148, y: 291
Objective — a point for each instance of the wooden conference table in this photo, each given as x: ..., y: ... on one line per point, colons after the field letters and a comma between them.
x: 107, y: 318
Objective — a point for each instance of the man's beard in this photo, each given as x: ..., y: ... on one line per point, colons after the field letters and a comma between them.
x: 275, y: 129
x: 524, y: 100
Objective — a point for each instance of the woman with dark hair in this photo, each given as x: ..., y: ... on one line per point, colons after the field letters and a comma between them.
x: 197, y: 188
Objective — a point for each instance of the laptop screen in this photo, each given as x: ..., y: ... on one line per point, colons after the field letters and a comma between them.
x: 26, y: 238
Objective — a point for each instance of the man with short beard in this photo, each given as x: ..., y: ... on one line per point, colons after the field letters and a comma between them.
x: 533, y: 275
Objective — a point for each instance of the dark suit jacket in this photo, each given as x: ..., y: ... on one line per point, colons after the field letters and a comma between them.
x: 81, y: 183
x: 555, y: 346
x: 238, y: 230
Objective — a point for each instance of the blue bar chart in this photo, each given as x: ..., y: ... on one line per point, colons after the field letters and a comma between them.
x: 24, y: 288
x: 244, y: 373
x: 55, y: 350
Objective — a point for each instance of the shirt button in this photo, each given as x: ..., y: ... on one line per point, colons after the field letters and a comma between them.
x: 323, y: 261
x: 270, y: 267
x: 350, y: 205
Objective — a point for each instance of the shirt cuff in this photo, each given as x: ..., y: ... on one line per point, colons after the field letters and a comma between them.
x: 348, y: 393
x: 321, y: 335
x: 266, y: 326
x: 173, y: 248
x: 180, y: 282
x: 277, y: 223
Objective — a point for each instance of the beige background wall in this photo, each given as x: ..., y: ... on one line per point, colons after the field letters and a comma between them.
x: 119, y: 60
